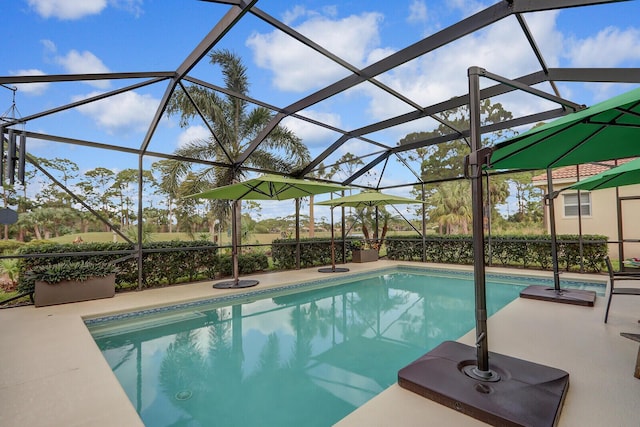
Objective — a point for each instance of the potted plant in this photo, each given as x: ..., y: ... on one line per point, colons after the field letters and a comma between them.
x: 72, y: 281
x: 360, y: 253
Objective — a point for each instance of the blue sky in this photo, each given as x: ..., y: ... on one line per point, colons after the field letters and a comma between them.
x: 85, y: 36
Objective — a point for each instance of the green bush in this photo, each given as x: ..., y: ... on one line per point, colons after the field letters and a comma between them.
x: 313, y: 252
x: 9, y: 246
x: 247, y: 263
x: 532, y: 251
x: 163, y: 262
x: 80, y: 270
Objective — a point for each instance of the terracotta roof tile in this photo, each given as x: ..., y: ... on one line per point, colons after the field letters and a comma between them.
x: 587, y: 169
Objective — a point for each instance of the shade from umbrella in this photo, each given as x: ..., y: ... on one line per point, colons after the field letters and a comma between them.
x: 625, y: 174
x: 605, y: 131
x: 266, y: 187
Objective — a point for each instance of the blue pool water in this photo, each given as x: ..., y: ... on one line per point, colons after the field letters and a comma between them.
x: 296, y: 357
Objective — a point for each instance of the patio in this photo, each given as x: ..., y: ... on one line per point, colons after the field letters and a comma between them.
x: 53, y: 374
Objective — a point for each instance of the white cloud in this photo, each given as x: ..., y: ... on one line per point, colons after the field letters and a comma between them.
x: 311, y: 134
x: 443, y: 74
x: 123, y: 113
x: 134, y: 7
x: 609, y: 48
x: 297, y: 68
x: 193, y: 133
x: 429, y: 79
x: 417, y: 12
x: 49, y: 46
x: 290, y: 16
x: 468, y: 7
x: 84, y: 63
x: 31, y: 88
x: 67, y: 9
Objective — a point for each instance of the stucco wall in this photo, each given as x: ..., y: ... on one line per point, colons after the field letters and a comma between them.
x: 603, y: 218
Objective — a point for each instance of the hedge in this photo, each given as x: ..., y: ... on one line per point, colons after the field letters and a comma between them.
x: 530, y: 251
x: 313, y: 252
x: 163, y: 262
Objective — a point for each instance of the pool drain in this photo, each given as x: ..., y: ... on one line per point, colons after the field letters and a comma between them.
x: 184, y: 395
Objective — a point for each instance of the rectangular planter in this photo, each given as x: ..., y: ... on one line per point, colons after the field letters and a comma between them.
x: 74, y: 290
x: 365, y: 255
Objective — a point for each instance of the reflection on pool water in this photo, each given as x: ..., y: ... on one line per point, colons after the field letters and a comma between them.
x: 290, y: 359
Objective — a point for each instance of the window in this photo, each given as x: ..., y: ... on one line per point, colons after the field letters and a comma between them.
x: 571, y: 204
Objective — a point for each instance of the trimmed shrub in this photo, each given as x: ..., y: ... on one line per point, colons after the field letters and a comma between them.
x: 532, y: 251
x: 163, y: 262
x: 56, y: 273
x: 313, y: 252
x: 247, y: 263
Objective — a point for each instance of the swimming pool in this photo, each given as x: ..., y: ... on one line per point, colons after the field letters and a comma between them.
x: 307, y: 354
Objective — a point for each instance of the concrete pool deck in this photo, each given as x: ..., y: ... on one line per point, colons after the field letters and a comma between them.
x: 53, y: 374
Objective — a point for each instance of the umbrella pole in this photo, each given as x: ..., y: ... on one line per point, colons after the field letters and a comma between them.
x: 235, y: 282
x: 552, y: 225
x: 234, y: 242
x: 333, y: 268
x: 448, y: 375
x: 476, y: 160
x: 333, y: 247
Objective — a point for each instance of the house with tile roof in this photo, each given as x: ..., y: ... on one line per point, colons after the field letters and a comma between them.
x: 613, y: 212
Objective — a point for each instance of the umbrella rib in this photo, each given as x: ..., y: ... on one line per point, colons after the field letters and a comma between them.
x: 584, y: 140
x: 537, y: 141
x: 575, y: 147
x: 622, y: 125
x: 293, y: 186
x: 255, y: 188
x: 629, y: 110
x: 604, y: 181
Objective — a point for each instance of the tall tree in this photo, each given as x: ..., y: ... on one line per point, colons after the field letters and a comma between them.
x: 235, y: 125
x: 97, y: 190
x: 125, y: 189
x: 167, y: 187
x: 451, y: 207
x: 445, y: 162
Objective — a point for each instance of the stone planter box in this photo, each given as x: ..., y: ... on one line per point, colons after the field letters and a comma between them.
x: 365, y: 255
x: 74, y: 290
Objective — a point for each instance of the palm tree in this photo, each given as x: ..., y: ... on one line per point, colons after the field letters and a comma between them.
x: 452, y: 207
x: 235, y: 124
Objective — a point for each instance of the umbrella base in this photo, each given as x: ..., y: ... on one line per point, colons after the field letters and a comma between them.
x: 333, y: 270
x: 564, y: 296
x: 527, y: 394
x: 236, y: 284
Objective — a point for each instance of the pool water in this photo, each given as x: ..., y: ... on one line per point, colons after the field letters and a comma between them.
x: 288, y: 359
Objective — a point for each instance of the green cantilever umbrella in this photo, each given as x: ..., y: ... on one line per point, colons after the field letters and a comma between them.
x: 369, y: 199
x: 362, y: 200
x: 625, y: 174
x: 266, y: 187
x: 605, y: 131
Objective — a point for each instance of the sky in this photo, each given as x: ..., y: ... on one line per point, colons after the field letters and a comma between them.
x: 95, y: 36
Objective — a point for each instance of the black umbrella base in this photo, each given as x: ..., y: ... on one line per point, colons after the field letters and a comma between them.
x: 236, y: 284
x: 526, y: 394
x: 333, y: 270
x: 564, y: 296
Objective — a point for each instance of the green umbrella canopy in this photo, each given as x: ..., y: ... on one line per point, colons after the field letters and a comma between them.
x: 368, y: 198
x: 269, y: 187
x: 605, y: 131
x: 625, y: 174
